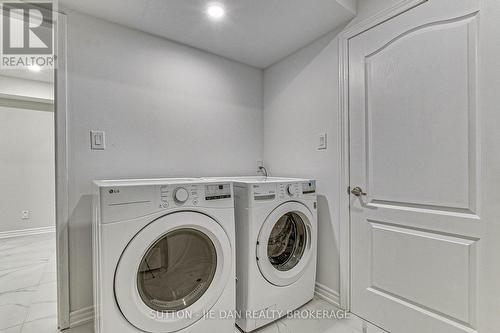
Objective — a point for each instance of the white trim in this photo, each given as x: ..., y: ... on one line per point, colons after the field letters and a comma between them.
x: 27, y: 105
x: 343, y: 139
x: 350, y: 5
x: 81, y: 317
x: 27, y: 98
x: 27, y: 232
x: 361, y: 325
x: 62, y: 204
x: 329, y: 295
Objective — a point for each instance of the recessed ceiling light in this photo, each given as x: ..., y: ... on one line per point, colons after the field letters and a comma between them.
x: 216, y: 11
x: 35, y: 68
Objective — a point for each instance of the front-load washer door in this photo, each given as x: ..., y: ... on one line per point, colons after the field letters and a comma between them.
x: 284, y: 247
x: 173, y: 272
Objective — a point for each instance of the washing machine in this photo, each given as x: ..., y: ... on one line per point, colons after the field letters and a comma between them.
x: 276, y: 247
x: 163, y: 256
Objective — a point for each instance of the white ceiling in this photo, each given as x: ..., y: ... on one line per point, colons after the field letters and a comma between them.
x: 254, y: 32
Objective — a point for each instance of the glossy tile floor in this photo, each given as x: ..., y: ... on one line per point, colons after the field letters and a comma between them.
x: 28, y: 287
x: 351, y: 324
x: 28, y: 295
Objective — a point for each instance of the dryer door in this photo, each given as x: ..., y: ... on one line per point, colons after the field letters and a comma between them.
x: 173, y: 272
x: 284, y: 247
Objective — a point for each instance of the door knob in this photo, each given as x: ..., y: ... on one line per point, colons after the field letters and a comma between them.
x: 358, y: 191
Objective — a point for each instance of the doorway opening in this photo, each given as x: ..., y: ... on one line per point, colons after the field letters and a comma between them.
x: 28, y: 269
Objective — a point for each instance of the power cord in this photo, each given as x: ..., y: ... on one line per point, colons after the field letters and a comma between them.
x: 263, y: 170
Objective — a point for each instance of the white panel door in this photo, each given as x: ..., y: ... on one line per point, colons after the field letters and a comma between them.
x: 417, y: 233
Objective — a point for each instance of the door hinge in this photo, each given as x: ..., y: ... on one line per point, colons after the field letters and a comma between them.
x: 348, y: 190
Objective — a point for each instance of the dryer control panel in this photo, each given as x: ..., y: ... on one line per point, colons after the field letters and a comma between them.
x: 309, y: 187
x: 264, y: 192
x: 217, y: 191
x: 124, y: 201
x: 179, y: 195
x: 193, y: 194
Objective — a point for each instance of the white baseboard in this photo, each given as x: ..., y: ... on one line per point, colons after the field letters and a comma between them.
x: 82, y: 316
x: 27, y: 232
x: 329, y: 295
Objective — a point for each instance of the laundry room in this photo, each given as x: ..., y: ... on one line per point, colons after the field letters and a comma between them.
x: 250, y: 166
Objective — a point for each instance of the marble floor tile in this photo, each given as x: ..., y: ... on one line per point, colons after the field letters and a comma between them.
x: 28, y: 288
x: 49, y: 325
x: 28, y: 292
x: 47, y: 292
x: 45, y: 325
x: 85, y: 328
x: 27, y: 251
x: 19, y: 296
x: 21, y: 278
x: 15, y: 329
x: 48, y: 277
x: 12, y: 315
x: 42, y: 310
x: 301, y: 325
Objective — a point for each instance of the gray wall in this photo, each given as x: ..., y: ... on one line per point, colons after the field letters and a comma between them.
x: 27, y: 175
x: 300, y: 102
x: 145, y: 92
x: 167, y: 110
x: 301, y: 94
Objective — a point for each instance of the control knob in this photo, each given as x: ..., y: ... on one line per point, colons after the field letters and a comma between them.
x: 289, y: 190
x: 181, y: 195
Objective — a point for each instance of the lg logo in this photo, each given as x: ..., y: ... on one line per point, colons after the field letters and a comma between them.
x: 27, y: 28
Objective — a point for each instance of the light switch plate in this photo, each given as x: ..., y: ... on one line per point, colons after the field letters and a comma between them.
x: 97, y: 140
x: 322, y: 141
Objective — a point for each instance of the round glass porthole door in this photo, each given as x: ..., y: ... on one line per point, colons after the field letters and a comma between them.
x: 177, y: 270
x: 173, y: 272
x: 287, y: 242
x: 284, y: 246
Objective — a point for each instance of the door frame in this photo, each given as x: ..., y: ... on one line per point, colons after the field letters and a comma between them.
x: 344, y: 137
x: 62, y: 179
